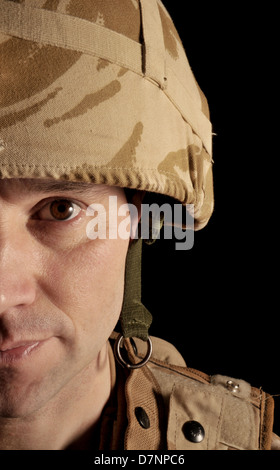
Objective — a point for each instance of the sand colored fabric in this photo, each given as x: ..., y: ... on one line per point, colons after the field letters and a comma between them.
x: 102, y: 91
x: 173, y: 394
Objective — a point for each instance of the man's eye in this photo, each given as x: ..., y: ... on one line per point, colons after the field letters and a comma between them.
x: 60, y: 210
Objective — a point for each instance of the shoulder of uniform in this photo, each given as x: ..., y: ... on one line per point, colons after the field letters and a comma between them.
x: 233, y: 414
x: 163, y: 351
x: 215, y: 400
x: 166, y: 356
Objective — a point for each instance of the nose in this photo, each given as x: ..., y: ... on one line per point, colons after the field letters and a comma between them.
x: 17, y: 285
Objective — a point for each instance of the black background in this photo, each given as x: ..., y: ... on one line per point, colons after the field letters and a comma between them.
x: 218, y: 302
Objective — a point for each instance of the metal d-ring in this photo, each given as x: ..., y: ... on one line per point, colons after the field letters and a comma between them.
x: 130, y: 365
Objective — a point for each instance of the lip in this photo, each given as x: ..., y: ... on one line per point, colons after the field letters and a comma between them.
x: 18, y: 351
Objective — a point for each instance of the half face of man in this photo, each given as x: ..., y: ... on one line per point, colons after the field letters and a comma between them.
x: 60, y: 290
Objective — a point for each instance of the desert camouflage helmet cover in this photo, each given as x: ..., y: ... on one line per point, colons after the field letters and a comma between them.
x: 102, y: 91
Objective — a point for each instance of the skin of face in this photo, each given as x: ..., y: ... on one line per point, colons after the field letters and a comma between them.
x: 60, y: 297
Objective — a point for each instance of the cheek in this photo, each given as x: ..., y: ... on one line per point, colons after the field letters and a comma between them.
x: 87, y: 285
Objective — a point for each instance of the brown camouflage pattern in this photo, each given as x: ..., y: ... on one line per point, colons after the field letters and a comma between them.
x: 69, y: 115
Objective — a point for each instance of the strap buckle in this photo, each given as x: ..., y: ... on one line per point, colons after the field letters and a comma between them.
x: 126, y: 363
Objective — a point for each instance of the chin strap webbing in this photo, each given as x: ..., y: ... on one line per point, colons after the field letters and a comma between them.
x: 135, y: 319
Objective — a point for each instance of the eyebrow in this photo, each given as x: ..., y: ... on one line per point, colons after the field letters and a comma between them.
x: 59, y: 186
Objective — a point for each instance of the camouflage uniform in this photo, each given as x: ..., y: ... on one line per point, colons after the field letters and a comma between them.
x: 101, y: 91
x: 165, y: 397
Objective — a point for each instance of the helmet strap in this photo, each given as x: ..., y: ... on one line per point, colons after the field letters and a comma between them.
x: 135, y: 319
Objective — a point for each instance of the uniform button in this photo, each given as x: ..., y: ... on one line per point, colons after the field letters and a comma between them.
x: 142, y: 417
x: 193, y: 431
x: 232, y: 386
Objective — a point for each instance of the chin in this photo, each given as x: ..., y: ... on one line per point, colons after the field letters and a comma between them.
x: 16, y: 405
x: 20, y: 398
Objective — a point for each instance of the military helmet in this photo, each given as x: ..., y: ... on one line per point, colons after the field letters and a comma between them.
x: 101, y: 91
